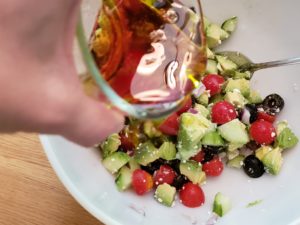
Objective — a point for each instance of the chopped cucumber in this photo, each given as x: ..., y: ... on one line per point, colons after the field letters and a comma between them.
x: 202, y: 110
x: 234, y: 132
x: 239, y: 75
x: 209, y: 54
x: 216, y: 98
x: 213, y: 139
x: 203, y: 99
x: 230, y: 24
x: 254, y: 97
x: 111, y: 145
x: 165, y: 194
x: 281, y: 126
x: 234, y: 146
x: 221, y: 205
x: 262, y: 151
x: 115, y: 161
x: 214, y: 35
x: 150, y: 130
x: 123, y: 179
x: 146, y: 153
x: 193, y: 171
x: 133, y: 165
x: 227, y: 66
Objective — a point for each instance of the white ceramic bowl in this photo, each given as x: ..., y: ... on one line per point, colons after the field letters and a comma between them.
x: 268, y: 29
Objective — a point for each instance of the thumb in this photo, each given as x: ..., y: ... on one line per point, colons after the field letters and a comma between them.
x: 93, y: 122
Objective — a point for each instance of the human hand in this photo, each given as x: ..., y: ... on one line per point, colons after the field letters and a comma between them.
x: 39, y: 88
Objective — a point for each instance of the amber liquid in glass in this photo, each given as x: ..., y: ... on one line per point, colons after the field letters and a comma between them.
x: 148, y: 54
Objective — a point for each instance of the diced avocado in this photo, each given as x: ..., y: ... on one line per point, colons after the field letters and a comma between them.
x: 234, y: 132
x: 123, y: 179
x: 214, y: 35
x: 213, y: 139
x: 228, y: 67
x: 111, y: 145
x: 115, y: 161
x: 242, y: 85
x: 232, y: 154
x: 223, y: 34
x: 192, y: 128
x: 230, y: 24
x: 150, y: 130
x: 254, y: 97
x: 209, y: 54
x: 203, y: 99
x: 239, y: 75
x: 235, y: 98
x: 221, y: 205
x: 281, y: 126
x: 286, y: 139
x: 146, y: 153
x: 273, y: 161
x: 234, y: 146
x: 262, y: 151
x: 236, y: 162
x: 193, y: 171
x: 216, y: 98
x: 167, y: 151
x: 202, y: 110
x: 133, y: 165
x: 165, y: 194
x: 211, y: 67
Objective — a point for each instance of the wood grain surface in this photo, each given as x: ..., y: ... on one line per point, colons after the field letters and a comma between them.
x: 30, y: 192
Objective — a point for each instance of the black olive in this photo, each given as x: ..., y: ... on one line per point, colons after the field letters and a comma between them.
x: 253, y: 167
x: 152, y: 167
x: 179, y: 181
x: 157, y: 141
x: 252, y: 145
x: 194, y: 100
x: 208, y: 156
x: 209, y: 149
x: 193, y: 9
x: 249, y: 114
x: 273, y: 104
x: 127, y: 120
x: 175, y: 165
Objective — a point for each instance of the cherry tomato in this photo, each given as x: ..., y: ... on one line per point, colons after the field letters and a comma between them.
x: 199, y: 157
x: 265, y: 116
x: 213, y: 83
x: 223, y: 112
x: 171, y: 125
x: 213, y: 168
x: 142, y: 181
x: 191, y: 195
x: 263, y: 132
x: 187, y: 105
x: 165, y: 174
x: 126, y: 143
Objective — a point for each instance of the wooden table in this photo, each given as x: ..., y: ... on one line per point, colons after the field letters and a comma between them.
x: 30, y: 192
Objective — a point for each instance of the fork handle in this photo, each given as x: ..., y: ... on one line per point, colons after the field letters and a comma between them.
x: 257, y: 66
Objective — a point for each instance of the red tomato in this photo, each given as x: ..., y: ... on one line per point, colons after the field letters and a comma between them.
x: 126, y: 143
x: 223, y: 112
x: 213, y: 168
x: 165, y: 174
x: 187, y: 105
x: 142, y: 181
x: 191, y: 195
x: 265, y: 116
x: 199, y: 157
x: 263, y: 132
x: 213, y: 83
x: 171, y: 125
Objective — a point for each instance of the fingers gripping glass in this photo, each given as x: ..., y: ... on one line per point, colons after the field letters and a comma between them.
x: 161, y: 59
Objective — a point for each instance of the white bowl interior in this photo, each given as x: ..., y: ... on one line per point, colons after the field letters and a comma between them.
x: 268, y: 30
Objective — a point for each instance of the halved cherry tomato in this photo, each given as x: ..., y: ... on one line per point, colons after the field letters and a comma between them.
x: 187, y: 105
x: 165, y: 174
x: 191, y: 195
x: 263, y: 132
x: 223, y: 112
x: 213, y: 83
x: 265, y: 116
x: 142, y: 182
x: 213, y: 168
x: 171, y: 125
x: 199, y: 157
